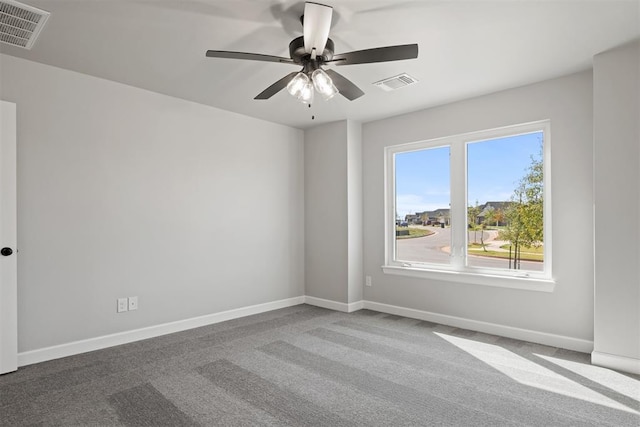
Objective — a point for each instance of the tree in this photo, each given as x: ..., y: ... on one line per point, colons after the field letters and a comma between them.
x: 472, y: 216
x: 498, y: 215
x: 488, y: 220
x: 489, y: 217
x: 525, y: 224
x: 424, y: 217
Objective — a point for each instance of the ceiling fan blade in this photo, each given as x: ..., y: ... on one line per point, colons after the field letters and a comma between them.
x: 316, y: 25
x: 378, y: 54
x: 245, y: 55
x: 345, y: 86
x: 276, y: 87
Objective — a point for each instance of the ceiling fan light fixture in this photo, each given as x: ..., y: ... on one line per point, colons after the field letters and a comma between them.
x: 314, y: 49
x: 297, y: 84
x: 323, y: 84
x: 306, y: 94
x: 316, y: 26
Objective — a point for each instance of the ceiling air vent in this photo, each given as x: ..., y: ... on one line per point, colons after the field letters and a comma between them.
x: 20, y: 24
x: 396, y: 82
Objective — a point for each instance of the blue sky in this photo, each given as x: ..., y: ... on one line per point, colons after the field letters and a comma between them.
x: 494, y: 169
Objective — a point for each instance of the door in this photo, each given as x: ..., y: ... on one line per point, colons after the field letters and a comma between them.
x: 8, y: 240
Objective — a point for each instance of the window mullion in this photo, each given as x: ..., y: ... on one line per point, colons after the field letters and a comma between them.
x: 458, y: 205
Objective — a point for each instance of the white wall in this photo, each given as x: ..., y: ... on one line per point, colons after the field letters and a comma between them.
x: 325, y: 210
x: 617, y: 207
x: 333, y: 213
x: 124, y: 192
x: 355, y: 212
x: 567, y: 311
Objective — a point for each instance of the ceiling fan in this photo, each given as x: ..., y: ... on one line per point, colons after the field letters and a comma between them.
x: 315, y: 49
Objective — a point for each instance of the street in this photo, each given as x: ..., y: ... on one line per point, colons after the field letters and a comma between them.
x: 435, y: 249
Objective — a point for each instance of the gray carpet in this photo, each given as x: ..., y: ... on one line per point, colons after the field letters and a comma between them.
x: 304, y: 366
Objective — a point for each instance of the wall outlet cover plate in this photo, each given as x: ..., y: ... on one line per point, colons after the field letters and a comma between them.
x: 122, y: 305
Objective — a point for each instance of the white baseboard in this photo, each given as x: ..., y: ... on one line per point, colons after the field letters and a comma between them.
x: 355, y: 306
x: 91, y: 344
x: 334, y: 305
x: 97, y: 343
x: 560, y: 341
x: 619, y: 363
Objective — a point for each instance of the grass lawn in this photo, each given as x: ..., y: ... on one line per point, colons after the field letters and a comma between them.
x: 526, y: 254
x: 539, y: 250
x: 413, y: 232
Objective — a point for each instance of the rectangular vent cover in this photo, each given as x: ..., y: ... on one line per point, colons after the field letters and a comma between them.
x: 20, y: 24
x: 396, y: 82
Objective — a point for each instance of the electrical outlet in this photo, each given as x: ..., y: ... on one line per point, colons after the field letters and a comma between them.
x: 122, y: 305
x: 367, y: 281
x: 133, y: 303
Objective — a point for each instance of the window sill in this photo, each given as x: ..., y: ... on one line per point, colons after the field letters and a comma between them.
x: 511, y: 282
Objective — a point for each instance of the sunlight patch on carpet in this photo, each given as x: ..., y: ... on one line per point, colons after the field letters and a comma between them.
x: 529, y: 373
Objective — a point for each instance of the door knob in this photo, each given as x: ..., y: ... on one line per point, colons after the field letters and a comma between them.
x: 6, y: 251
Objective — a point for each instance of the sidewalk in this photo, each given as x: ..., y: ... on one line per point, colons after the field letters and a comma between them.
x: 494, y: 245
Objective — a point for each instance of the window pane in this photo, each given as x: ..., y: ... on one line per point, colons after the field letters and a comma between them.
x: 423, y: 197
x: 505, y: 203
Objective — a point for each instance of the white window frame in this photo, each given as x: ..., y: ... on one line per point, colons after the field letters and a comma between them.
x: 457, y: 270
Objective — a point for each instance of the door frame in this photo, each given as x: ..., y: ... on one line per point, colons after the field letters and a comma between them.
x: 8, y: 238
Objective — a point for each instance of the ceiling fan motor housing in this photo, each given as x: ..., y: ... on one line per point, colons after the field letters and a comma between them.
x: 300, y: 56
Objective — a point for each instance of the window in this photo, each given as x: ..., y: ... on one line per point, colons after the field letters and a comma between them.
x: 476, y: 205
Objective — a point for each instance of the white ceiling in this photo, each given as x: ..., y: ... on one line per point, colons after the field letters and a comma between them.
x: 466, y: 48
